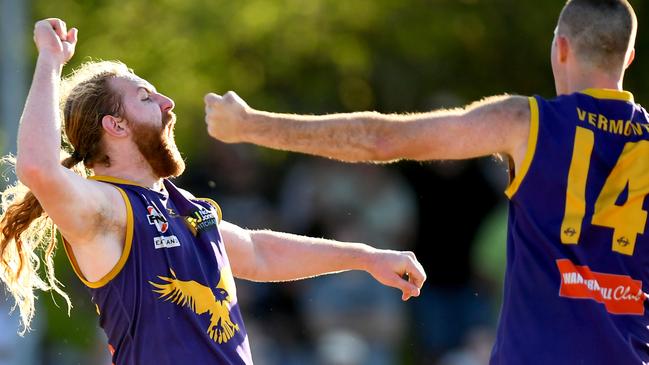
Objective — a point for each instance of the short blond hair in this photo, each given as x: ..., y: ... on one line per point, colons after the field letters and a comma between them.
x: 601, y: 31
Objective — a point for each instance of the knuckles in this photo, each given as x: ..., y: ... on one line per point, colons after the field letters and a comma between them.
x: 211, y: 98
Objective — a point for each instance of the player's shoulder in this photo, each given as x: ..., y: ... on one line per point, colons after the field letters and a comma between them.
x: 505, y: 107
x: 208, y: 201
x: 98, y: 189
x: 517, y: 109
x: 519, y: 104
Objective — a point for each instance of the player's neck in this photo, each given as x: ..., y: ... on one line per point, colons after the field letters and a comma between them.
x: 135, y: 169
x: 595, y: 80
x: 128, y: 163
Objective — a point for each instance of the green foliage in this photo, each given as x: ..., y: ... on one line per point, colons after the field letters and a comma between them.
x: 321, y: 55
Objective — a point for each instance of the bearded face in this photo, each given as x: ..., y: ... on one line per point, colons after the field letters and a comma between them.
x: 157, y: 145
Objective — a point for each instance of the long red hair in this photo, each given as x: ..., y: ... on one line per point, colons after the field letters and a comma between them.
x: 28, y: 236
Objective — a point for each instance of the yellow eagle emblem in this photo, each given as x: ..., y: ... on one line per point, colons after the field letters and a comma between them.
x: 201, y: 299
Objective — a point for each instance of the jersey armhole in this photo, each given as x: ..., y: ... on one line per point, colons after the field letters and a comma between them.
x: 123, y: 258
x: 531, y: 149
x: 216, y: 206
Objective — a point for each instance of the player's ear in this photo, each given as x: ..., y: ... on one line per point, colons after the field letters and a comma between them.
x: 114, y: 126
x: 563, y: 48
x: 631, y: 58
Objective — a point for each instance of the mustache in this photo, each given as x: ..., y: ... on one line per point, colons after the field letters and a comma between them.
x: 169, y: 117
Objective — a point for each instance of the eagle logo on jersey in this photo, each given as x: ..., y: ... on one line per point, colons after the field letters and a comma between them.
x: 201, y: 299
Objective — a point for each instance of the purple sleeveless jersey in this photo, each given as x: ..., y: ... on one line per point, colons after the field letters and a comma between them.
x: 577, y: 252
x: 171, y: 298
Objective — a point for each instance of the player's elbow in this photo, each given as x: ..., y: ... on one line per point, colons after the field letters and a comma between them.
x: 243, y: 252
x: 26, y: 172
x: 31, y: 173
x: 264, y: 261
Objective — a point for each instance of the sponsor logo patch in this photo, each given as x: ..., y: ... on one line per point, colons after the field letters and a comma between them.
x: 620, y: 294
x: 201, y: 220
x: 166, y: 242
x: 155, y: 217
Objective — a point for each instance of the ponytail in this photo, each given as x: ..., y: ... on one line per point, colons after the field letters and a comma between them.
x: 27, y: 241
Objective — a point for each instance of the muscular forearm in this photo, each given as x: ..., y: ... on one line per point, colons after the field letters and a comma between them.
x: 39, y: 135
x: 283, y: 256
x: 349, y: 137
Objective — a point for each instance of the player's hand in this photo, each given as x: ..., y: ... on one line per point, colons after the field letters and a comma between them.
x: 53, y: 39
x: 225, y: 115
x: 398, y: 269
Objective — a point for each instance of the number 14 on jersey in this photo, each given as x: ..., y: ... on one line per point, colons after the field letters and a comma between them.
x: 627, y: 220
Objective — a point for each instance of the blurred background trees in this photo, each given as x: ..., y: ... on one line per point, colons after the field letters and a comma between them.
x: 323, y: 56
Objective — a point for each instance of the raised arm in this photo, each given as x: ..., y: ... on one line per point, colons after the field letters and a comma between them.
x: 81, y: 209
x: 497, y: 124
x: 274, y: 256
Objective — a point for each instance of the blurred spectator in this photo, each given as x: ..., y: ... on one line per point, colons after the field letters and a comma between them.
x: 340, y: 347
x: 476, y: 348
x: 239, y: 180
x: 453, y: 197
x: 489, y: 255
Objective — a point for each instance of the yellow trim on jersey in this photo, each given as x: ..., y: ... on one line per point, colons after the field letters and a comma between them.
x: 215, y: 205
x: 123, y: 258
x: 116, y: 180
x: 531, y: 149
x: 609, y: 94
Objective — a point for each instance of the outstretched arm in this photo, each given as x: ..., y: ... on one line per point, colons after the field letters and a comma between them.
x: 497, y: 124
x: 86, y: 212
x: 274, y: 256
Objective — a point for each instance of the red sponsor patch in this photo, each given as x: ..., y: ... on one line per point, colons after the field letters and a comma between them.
x: 620, y: 294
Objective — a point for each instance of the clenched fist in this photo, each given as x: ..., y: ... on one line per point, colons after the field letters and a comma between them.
x: 398, y: 269
x: 225, y: 116
x: 53, y: 39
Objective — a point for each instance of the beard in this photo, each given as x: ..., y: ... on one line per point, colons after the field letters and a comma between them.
x: 158, y: 146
